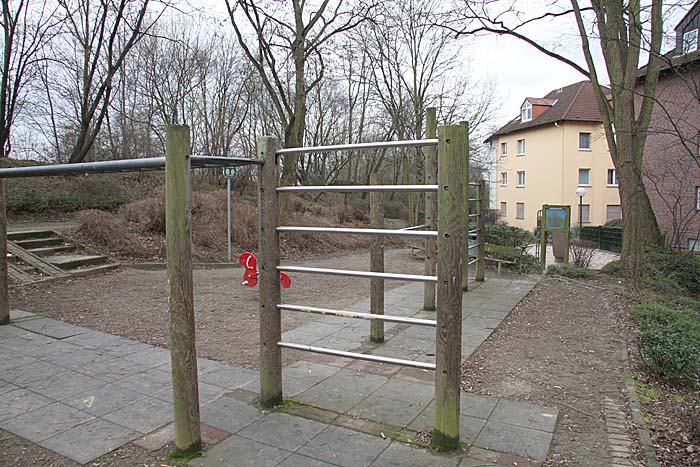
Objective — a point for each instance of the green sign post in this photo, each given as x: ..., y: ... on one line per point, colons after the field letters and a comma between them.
x: 229, y: 172
x: 555, y: 218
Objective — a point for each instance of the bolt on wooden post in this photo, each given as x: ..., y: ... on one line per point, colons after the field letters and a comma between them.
x: 269, y: 260
x: 481, y: 234
x: 450, y: 245
x: 431, y: 208
x: 376, y: 259
x: 178, y: 233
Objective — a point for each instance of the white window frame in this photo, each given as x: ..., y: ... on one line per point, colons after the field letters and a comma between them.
x: 690, y: 41
x: 516, y: 211
x: 615, y: 180
x: 584, y: 170
x: 504, y: 178
x: 521, y: 173
x: 586, y: 219
x: 582, y: 148
x: 521, y: 147
x: 504, y: 149
x: 526, y: 112
x: 504, y: 208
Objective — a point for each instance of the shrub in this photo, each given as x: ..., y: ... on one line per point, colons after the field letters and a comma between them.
x: 614, y: 268
x: 570, y: 270
x: 674, y: 272
x: 582, y: 252
x: 109, y: 231
x: 394, y: 209
x: 669, y: 339
x: 501, y: 234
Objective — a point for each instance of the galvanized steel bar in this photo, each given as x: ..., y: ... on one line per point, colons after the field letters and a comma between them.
x: 352, y: 273
x: 416, y: 227
x: 357, y: 315
x: 122, y: 165
x: 358, y: 356
x: 472, y: 262
x: 357, y: 188
x: 360, y: 146
x: 348, y: 231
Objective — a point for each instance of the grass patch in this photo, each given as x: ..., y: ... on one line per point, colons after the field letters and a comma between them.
x: 182, y: 459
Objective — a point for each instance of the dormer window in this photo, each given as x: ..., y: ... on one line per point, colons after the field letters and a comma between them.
x: 526, y: 112
x: 690, y: 41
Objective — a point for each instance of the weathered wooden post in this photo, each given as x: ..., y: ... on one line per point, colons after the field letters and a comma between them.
x: 183, y: 354
x: 4, y: 277
x: 431, y: 207
x: 481, y: 234
x: 451, y: 166
x: 376, y: 260
x: 270, y: 295
x: 467, y: 204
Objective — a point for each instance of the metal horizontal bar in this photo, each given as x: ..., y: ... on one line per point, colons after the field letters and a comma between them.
x: 473, y: 215
x: 474, y: 199
x: 473, y: 184
x: 472, y: 262
x: 347, y: 231
x: 416, y: 227
x: 358, y: 315
x: 473, y: 231
x: 416, y: 143
x: 471, y: 247
x: 121, y: 165
x: 352, y: 273
x: 358, y: 188
x: 358, y: 356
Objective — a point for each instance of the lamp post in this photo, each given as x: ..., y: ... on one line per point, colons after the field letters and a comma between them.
x: 580, y: 192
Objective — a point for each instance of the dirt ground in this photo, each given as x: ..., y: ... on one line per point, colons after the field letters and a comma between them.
x: 133, y: 303
x: 561, y: 347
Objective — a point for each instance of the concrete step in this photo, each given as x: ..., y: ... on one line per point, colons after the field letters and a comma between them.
x: 27, y: 234
x: 93, y: 269
x: 68, y: 262
x: 39, y: 242
x: 51, y: 250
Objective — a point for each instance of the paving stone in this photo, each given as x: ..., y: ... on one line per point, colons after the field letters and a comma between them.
x: 89, y: 441
x: 344, y: 447
x: 11, y: 359
x: 51, y: 327
x: 56, y: 351
x: 207, y: 393
x: 16, y: 314
x: 33, y: 372
x: 469, y: 427
x: 297, y: 460
x: 329, y: 397
x: 298, y: 336
x: 524, y: 442
x: 156, y: 439
x: 475, y: 405
x: 6, y: 387
x: 235, y: 451
x: 229, y: 414
x: 28, y: 343
x: 469, y: 462
x: 147, y: 382
x: 320, y: 329
x: 229, y: 376
x: 525, y: 415
x: 112, y: 369
x: 407, y: 391
x: 114, y: 346
x: 356, y: 381
x: 46, y: 421
x: 151, y: 357
x: 211, y: 435
x: 403, y: 455
x: 103, y: 400
x: 144, y: 415
x: 285, y: 431
x: 205, y: 365
x: 384, y: 410
x: 63, y: 385
x: 19, y: 401
x: 380, y: 369
x: 338, y: 343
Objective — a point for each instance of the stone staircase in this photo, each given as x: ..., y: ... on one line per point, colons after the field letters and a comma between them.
x: 38, y: 255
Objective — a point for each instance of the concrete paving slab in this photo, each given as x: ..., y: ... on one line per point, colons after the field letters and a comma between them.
x: 297, y: 460
x: 147, y: 382
x: 207, y: 393
x: 89, y: 441
x: 298, y: 336
x: 111, y: 369
x: 525, y: 415
x: 380, y: 409
x: 357, y: 381
x: 21, y: 401
x: 51, y: 327
x: 407, y: 391
x: 46, y: 421
x: 103, y: 400
x: 39, y: 370
x: 6, y: 387
x: 524, y: 442
x: 27, y: 342
x: 282, y: 430
x: 324, y: 395
x: 151, y: 357
x: 229, y: 376
x: 17, y: 314
x: 235, y: 451
x: 469, y: 427
x: 344, y: 447
x: 229, y: 414
x: 403, y: 455
x: 475, y: 405
x: 338, y: 343
x: 144, y: 415
x: 13, y: 359
x: 63, y: 385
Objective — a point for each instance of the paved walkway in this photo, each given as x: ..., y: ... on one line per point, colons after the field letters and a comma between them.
x: 83, y: 393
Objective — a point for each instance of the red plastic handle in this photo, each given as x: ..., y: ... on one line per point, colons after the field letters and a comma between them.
x: 250, y: 275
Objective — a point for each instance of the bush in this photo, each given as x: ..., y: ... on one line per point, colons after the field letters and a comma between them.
x: 506, y: 235
x: 582, y: 252
x: 614, y: 268
x: 614, y: 223
x: 674, y: 272
x: 669, y: 339
x: 570, y: 270
x: 107, y: 230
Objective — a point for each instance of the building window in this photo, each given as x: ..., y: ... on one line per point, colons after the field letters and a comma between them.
x: 584, y: 141
x: 520, y: 210
x: 612, y: 177
x: 504, y: 149
x: 521, y: 147
x: 521, y: 178
x: 504, y: 208
x: 584, y: 213
x: 697, y: 198
x: 504, y: 178
x: 584, y: 177
x: 526, y: 112
x: 694, y: 244
x: 690, y: 41
x: 612, y: 212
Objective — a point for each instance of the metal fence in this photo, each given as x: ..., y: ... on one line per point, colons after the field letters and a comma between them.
x: 606, y: 238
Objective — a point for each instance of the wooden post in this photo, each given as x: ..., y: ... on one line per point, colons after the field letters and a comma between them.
x: 451, y: 162
x: 431, y: 208
x: 183, y: 355
x: 376, y: 260
x: 481, y: 235
x: 4, y: 277
x: 467, y: 205
x: 543, y: 237
x: 269, y: 260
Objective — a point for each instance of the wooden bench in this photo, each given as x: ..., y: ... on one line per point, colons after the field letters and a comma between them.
x: 501, y: 254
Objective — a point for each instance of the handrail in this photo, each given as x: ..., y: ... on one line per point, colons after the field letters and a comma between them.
x: 416, y: 143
